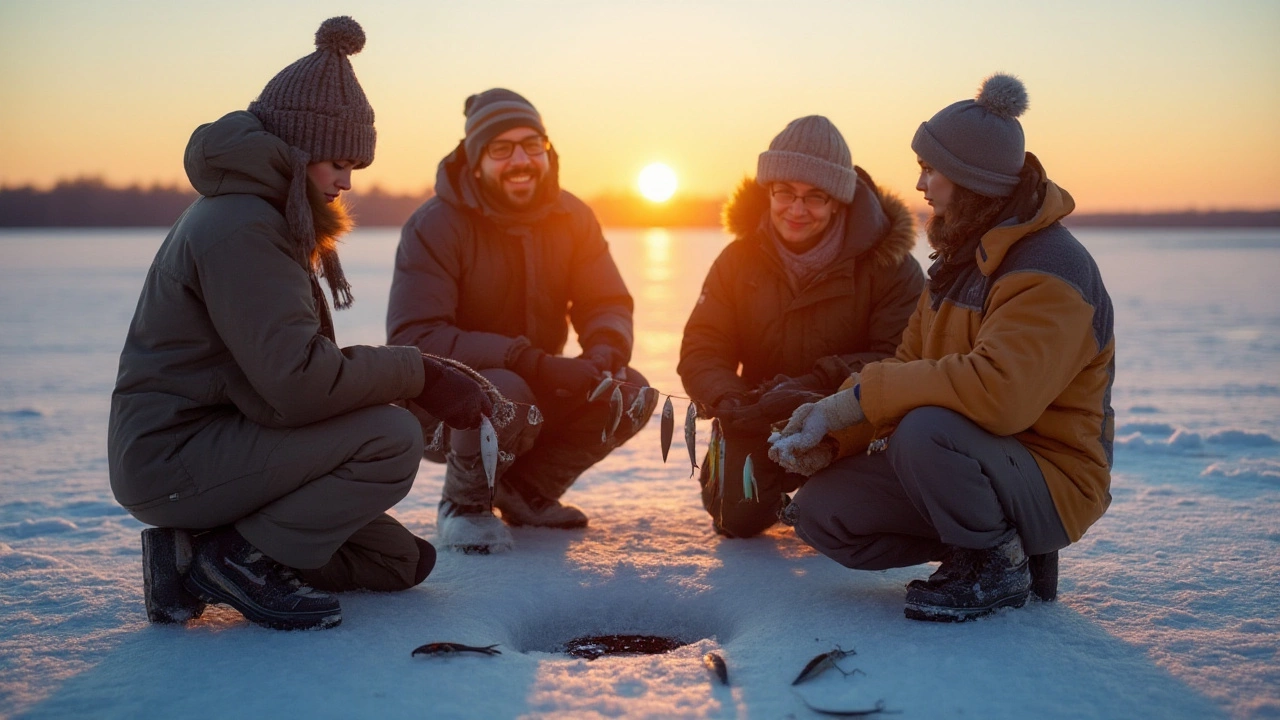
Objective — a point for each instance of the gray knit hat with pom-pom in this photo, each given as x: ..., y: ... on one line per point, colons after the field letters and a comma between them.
x: 978, y: 144
x: 810, y: 150
x: 317, y: 105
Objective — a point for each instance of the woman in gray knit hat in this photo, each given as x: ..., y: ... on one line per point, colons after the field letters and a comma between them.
x: 265, y: 454
x: 996, y: 407
x: 819, y: 281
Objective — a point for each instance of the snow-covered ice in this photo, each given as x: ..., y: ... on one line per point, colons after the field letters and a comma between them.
x: 1168, y: 608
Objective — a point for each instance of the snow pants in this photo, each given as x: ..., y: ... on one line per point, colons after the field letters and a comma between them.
x: 732, y: 514
x: 312, y: 498
x: 539, y: 460
x: 942, y: 481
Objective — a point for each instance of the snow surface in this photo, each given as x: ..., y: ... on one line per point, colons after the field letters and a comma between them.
x: 1167, y: 608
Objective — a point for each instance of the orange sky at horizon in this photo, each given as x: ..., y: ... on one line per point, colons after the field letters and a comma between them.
x: 1151, y: 106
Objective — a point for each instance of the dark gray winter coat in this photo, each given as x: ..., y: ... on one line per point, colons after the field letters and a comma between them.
x: 469, y: 282
x: 230, y: 322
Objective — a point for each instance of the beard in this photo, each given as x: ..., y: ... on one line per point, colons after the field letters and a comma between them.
x: 519, y: 200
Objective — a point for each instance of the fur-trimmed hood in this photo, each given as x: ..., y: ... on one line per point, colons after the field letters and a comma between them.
x: 879, y: 223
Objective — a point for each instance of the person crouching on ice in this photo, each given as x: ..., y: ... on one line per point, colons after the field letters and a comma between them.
x: 819, y: 281
x: 266, y: 454
x: 996, y: 407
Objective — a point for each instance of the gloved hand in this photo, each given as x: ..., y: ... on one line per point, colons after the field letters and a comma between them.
x: 774, y: 405
x: 452, y: 396
x: 811, y: 422
x: 566, y: 377
x: 553, y: 375
x: 809, y: 461
x: 727, y: 405
x: 605, y: 357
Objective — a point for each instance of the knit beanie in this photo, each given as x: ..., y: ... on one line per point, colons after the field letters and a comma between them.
x: 810, y: 150
x: 493, y: 112
x: 978, y: 144
x: 316, y: 104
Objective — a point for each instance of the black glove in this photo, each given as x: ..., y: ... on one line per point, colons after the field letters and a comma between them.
x: 605, y: 357
x: 727, y: 405
x: 452, y: 395
x: 773, y: 406
x: 553, y: 375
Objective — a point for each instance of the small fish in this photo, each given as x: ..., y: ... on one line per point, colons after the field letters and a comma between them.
x: 535, y: 415
x: 715, y: 664
x: 714, y: 459
x: 450, y: 648
x: 691, y: 435
x: 437, y: 439
x: 837, y: 712
x: 488, y: 451
x: 668, y: 426
x: 635, y: 413
x: 820, y: 663
x: 722, y: 453
x: 615, y: 409
x: 750, y: 490
x: 604, y: 385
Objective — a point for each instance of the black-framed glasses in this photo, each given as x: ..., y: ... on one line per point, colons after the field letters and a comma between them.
x: 813, y: 201
x: 533, y: 146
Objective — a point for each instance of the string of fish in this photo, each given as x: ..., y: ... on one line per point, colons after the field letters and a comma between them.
x: 504, y: 411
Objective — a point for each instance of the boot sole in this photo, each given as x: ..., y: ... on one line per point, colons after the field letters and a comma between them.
x: 183, y: 606
x: 259, y: 615
x: 937, y: 613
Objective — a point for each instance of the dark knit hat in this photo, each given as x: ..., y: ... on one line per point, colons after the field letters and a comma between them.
x: 493, y: 112
x: 810, y: 150
x: 978, y: 144
x: 316, y: 104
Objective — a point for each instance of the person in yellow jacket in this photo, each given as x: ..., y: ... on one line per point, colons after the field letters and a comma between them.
x: 991, y: 428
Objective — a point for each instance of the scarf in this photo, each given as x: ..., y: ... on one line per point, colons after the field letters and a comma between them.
x: 802, y: 268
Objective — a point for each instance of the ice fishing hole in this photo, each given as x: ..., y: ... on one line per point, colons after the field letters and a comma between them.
x: 590, y: 647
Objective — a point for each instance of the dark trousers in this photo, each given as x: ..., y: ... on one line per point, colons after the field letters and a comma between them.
x: 543, y: 459
x: 732, y: 514
x: 312, y: 498
x: 942, y: 481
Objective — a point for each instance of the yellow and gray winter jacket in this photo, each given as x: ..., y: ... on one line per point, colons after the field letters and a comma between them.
x: 1021, y: 344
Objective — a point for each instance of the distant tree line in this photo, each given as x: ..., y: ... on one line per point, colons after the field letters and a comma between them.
x: 90, y: 202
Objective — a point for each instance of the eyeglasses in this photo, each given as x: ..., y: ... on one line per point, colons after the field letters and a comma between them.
x: 533, y: 146
x: 812, y: 201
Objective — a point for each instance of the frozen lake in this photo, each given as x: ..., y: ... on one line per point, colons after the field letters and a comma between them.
x: 1168, y: 607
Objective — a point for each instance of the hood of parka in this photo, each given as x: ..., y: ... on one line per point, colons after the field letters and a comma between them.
x: 878, y: 223
x: 235, y: 154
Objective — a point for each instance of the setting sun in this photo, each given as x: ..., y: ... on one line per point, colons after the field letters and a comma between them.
x: 657, y: 182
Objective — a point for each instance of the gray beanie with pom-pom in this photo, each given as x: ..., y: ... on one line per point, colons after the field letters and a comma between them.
x: 978, y: 144
x: 317, y: 105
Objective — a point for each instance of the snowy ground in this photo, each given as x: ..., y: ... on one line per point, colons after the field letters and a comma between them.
x: 1168, y: 607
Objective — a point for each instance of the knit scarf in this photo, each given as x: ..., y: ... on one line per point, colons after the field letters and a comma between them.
x: 802, y: 268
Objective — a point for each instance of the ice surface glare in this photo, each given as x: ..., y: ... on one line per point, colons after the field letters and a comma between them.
x: 1167, y: 608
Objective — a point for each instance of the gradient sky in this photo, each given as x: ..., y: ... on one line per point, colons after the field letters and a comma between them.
x: 1163, y: 105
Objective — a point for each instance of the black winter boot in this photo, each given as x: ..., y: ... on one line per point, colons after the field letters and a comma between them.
x: 1044, y: 576
x: 166, y: 558
x: 227, y: 569
x: 976, y: 582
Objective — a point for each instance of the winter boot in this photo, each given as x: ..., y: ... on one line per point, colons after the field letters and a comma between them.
x: 976, y: 583
x: 227, y: 569
x: 471, y: 529
x: 1044, y: 576
x: 953, y: 564
x: 166, y: 558
x: 533, y: 509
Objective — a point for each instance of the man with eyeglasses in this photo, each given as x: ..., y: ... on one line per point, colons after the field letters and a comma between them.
x: 492, y: 272
x: 819, y: 281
